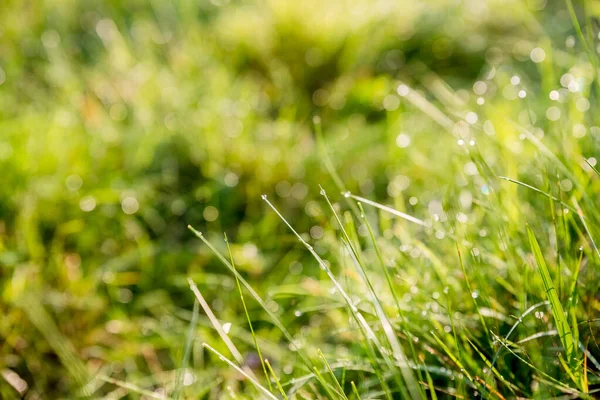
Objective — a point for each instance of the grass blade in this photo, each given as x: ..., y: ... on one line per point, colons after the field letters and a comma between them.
x: 237, y: 281
x: 355, y: 390
x: 218, y: 327
x: 365, y: 328
x: 562, y: 325
x: 387, y: 209
x: 337, y: 383
x: 277, y: 382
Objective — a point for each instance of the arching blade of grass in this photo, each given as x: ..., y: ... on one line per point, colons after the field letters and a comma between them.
x: 237, y: 281
x: 538, y: 191
x: 260, y: 301
x: 562, y: 325
x: 387, y: 209
x: 260, y: 387
x: 186, y: 350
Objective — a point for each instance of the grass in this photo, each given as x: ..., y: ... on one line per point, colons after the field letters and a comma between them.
x: 408, y: 193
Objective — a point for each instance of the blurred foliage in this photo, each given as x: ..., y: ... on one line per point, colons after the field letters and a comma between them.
x: 123, y: 122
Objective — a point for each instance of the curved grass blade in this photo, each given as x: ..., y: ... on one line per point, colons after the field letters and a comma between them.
x: 387, y: 209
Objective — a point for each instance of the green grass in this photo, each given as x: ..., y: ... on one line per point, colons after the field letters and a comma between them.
x: 408, y: 192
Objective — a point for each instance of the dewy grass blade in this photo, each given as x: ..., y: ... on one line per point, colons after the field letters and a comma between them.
x: 403, y: 319
x: 562, y: 325
x: 592, y: 167
x: 387, y: 209
x: 537, y: 191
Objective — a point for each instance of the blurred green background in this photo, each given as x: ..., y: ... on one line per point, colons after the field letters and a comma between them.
x: 123, y: 122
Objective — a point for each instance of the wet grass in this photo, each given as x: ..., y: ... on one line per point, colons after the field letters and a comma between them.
x: 408, y: 195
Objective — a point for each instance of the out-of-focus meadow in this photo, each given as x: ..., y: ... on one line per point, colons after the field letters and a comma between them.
x: 123, y: 122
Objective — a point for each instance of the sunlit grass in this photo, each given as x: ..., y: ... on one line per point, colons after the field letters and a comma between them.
x: 409, y: 193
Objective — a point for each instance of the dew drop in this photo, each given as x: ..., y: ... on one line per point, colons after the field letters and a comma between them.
x: 227, y: 327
